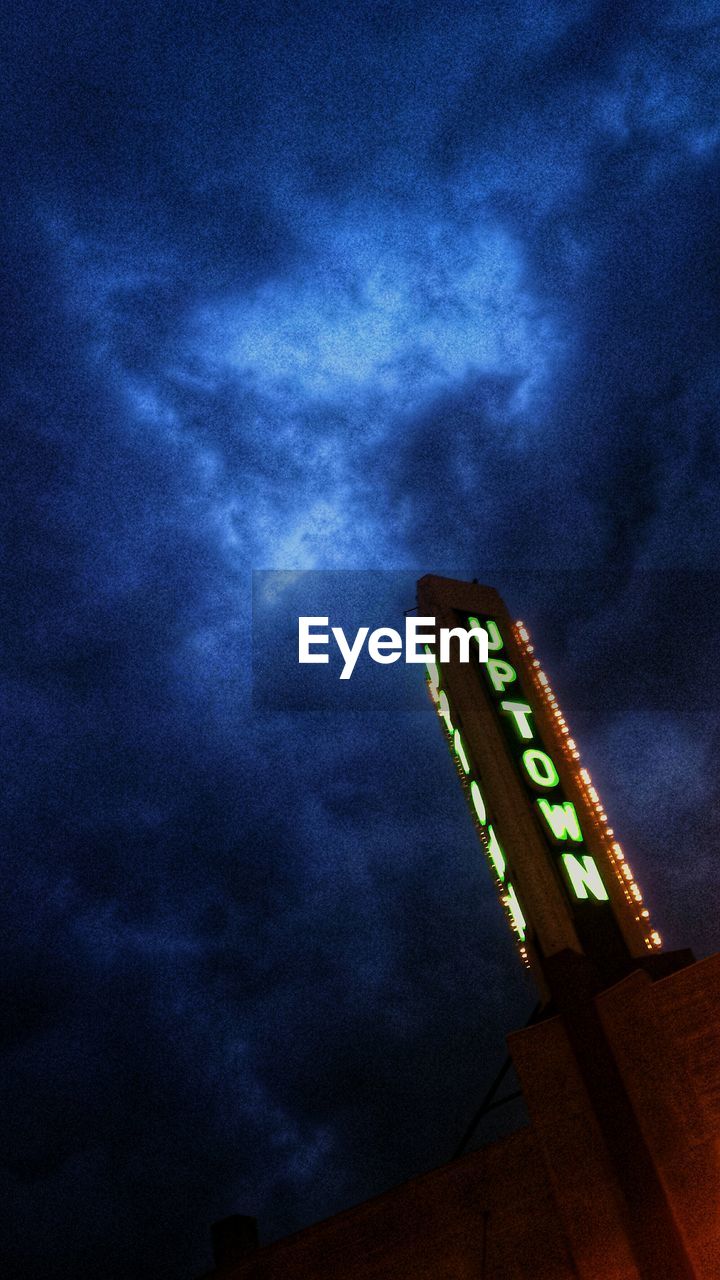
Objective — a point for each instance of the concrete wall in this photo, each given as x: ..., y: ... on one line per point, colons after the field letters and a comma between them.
x: 617, y: 1177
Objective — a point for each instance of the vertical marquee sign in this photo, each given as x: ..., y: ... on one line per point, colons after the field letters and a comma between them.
x: 561, y: 875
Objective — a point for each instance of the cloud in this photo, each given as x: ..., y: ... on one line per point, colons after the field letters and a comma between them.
x: 397, y: 288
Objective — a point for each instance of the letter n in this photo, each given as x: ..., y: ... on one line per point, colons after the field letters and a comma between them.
x: 585, y: 879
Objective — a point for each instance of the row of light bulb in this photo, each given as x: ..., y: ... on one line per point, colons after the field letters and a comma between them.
x: 616, y: 856
x: 432, y: 678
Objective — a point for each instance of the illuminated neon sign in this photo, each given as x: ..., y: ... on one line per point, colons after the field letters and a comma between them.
x: 558, y: 816
x: 562, y: 877
x: 613, y: 850
x: 479, y: 808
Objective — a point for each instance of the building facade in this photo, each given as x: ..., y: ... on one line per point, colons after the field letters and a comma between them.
x: 617, y: 1175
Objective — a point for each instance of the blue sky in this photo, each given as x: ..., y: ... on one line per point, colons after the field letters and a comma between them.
x: 399, y: 286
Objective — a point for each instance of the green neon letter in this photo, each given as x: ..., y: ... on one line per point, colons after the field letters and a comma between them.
x: 444, y: 709
x: 562, y: 819
x: 540, y: 768
x: 496, y: 853
x: 495, y: 640
x: 584, y: 877
x: 478, y: 802
x: 480, y: 634
x: 520, y: 712
x: 432, y: 668
x: 460, y: 751
x: 501, y: 673
x: 513, y: 907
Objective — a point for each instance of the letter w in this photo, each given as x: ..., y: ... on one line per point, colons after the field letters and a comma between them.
x: 561, y: 819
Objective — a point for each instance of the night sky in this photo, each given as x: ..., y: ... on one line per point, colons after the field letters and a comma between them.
x: 413, y: 286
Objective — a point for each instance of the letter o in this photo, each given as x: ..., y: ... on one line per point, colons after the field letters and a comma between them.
x: 539, y: 767
x: 444, y: 709
x: 478, y: 802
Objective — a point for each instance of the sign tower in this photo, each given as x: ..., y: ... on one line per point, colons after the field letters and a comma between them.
x: 617, y: 1174
x: 571, y: 899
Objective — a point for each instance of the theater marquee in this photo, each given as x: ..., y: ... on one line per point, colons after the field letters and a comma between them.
x: 561, y: 875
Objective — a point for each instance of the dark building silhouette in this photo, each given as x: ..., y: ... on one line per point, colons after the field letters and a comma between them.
x: 617, y: 1175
